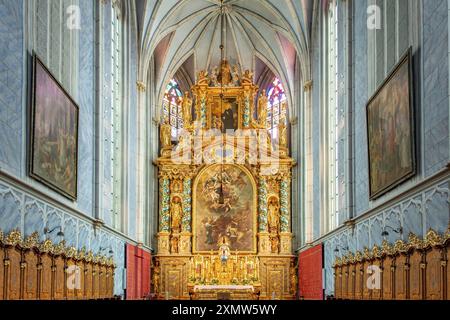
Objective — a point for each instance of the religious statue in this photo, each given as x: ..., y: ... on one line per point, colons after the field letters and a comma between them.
x: 225, y: 73
x: 174, y: 244
x: 235, y: 76
x: 202, y: 78
x: 166, y: 134
x: 273, y: 218
x: 282, y: 129
x: 176, y: 214
x: 247, y: 77
x: 214, y: 77
x: 187, y: 109
x: 262, y: 110
x: 274, y: 243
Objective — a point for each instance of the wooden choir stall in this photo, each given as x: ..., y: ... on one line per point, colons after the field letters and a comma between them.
x: 413, y: 270
x: 30, y: 270
x: 224, y: 208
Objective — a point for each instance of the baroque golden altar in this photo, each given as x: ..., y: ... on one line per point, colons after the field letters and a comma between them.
x: 224, y: 208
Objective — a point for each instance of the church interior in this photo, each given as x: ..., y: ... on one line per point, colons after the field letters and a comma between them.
x: 224, y: 150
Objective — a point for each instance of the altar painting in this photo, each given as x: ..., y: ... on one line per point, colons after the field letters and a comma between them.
x: 232, y: 215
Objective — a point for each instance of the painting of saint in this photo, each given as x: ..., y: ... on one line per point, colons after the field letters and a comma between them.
x: 390, y: 131
x: 54, y: 134
x: 224, y: 206
x: 225, y: 114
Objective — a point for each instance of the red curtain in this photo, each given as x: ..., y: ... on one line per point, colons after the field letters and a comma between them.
x: 138, y: 272
x: 310, y: 274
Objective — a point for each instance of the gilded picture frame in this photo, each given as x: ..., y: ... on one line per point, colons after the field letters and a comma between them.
x: 199, y: 213
x: 54, y: 121
x: 390, y: 130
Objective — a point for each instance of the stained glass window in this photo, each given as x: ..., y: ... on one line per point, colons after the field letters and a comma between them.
x: 172, y: 109
x: 277, y: 107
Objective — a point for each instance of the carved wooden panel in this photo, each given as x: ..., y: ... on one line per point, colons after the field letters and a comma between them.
x: 79, y: 290
x: 415, y: 276
x: 109, y: 283
x: 103, y: 293
x: 88, y: 293
x: 96, y: 281
x: 359, y: 280
x: 351, y: 281
x: 13, y: 273
x: 173, y: 284
x: 2, y: 271
x: 367, y: 294
x: 401, y: 277
x: 388, y: 277
x: 46, y: 277
x: 434, y: 276
x: 376, y: 290
x: 71, y: 279
x: 338, y: 282
x: 30, y: 291
x: 276, y: 284
x: 59, y: 276
x: 345, y: 282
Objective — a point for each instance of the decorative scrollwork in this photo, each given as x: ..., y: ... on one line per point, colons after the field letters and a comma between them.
x: 376, y: 252
x: 433, y: 239
x: 31, y: 242
x: 415, y: 242
x: 387, y: 249
x: 13, y: 238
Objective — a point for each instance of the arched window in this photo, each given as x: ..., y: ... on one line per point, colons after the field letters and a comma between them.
x: 277, y: 107
x: 172, y: 107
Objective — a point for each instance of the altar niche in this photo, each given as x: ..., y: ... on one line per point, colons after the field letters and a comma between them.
x: 237, y: 200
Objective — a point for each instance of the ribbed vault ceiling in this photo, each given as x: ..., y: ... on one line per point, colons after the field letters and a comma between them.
x: 184, y: 36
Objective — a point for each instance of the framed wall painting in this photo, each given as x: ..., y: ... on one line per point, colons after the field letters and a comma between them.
x: 54, y: 133
x: 390, y: 130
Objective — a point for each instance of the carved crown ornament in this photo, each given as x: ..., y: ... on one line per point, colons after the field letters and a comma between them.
x: 15, y: 239
x: 432, y: 239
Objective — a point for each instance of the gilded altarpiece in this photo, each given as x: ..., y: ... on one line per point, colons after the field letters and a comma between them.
x: 224, y: 198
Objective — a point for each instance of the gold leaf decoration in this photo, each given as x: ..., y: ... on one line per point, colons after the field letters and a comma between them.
x: 350, y: 257
x: 387, y: 249
x: 71, y: 252
x: 415, y: 242
x: 13, y: 238
x: 358, y: 256
x: 367, y: 255
x: 46, y: 246
x: 89, y: 256
x: 400, y: 246
x: 376, y: 252
x: 32, y: 241
x: 433, y: 239
x: 60, y: 248
x: 1, y: 237
x: 81, y: 254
